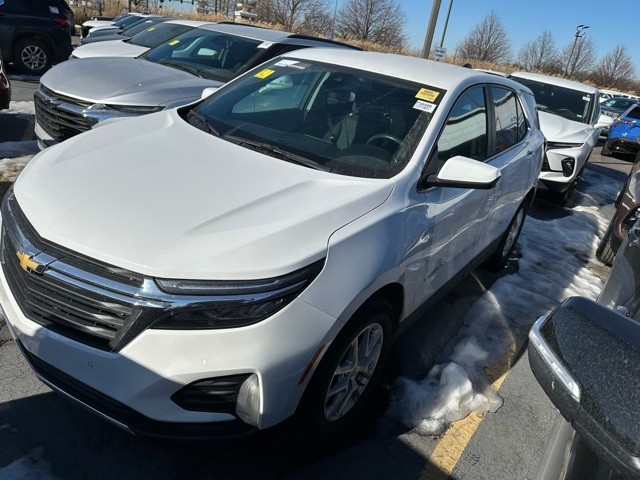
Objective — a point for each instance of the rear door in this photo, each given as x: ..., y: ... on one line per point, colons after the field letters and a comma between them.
x: 517, y: 152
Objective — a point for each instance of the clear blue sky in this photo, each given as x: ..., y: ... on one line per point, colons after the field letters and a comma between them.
x: 526, y: 19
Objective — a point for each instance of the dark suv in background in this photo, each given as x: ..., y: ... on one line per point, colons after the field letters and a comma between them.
x: 35, y: 34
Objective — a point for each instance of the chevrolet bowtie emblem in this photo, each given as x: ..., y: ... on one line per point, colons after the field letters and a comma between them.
x: 28, y: 264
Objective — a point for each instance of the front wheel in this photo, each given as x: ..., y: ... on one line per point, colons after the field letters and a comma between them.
x: 347, y: 375
x: 498, y: 260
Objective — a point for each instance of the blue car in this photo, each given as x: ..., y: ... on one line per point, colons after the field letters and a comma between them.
x: 623, y: 134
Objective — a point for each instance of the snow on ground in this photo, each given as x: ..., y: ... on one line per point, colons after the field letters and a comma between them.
x: 552, y: 268
x: 15, y: 155
x: 21, y: 108
x: 29, y: 467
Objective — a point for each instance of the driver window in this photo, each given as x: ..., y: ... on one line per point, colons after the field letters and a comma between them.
x: 465, y: 132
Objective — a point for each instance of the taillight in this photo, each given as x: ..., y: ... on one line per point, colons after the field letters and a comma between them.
x: 62, y: 21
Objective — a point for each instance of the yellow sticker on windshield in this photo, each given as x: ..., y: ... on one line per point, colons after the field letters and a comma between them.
x: 151, y: 29
x: 427, y: 95
x: 174, y: 42
x: 264, y: 73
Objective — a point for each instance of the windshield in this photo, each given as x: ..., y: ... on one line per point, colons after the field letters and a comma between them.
x: 633, y: 114
x: 141, y: 27
x: 122, y: 16
x: 208, y: 54
x: 565, y: 102
x: 157, y: 34
x: 347, y: 121
x: 618, y: 103
x: 129, y: 21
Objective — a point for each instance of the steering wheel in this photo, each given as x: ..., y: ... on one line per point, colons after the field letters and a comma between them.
x: 384, y: 136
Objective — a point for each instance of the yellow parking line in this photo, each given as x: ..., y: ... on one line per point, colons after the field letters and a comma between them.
x: 449, y: 449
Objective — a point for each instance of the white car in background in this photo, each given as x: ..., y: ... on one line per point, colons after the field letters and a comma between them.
x: 267, y: 244
x: 122, y: 19
x: 139, y: 44
x: 571, y: 121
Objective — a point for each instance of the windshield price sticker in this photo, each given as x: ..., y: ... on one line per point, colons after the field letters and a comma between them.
x: 264, y: 73
x: 265, y: 44
x: 427, y: 94
x: 424, y: 106
x: 151, y: 29
x: 174, y: 42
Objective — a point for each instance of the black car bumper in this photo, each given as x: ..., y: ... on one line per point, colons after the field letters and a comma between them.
x: 623, y: 146
x: 126, y: 418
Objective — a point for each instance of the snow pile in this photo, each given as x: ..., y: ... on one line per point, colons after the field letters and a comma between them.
x: 29, y: 467
x: 553, y: 267
x: 21, y: 108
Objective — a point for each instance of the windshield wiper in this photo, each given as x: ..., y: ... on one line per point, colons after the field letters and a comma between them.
x: 180, y: 66
x: 277, y: 152
x: 205, y: 123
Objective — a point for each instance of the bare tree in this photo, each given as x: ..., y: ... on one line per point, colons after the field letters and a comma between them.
x: 291, y: 14
x: 579, y: 60
x: 487, y: 42
x: 222, y: 7
x: 539, y: 54
x: 615, y: 69
x: 378, y: 21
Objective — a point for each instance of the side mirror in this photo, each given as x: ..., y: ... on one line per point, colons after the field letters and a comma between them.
x: 207, y: 92
x: 586, y: 357
x: 603, y: 121
x: 463, y: 172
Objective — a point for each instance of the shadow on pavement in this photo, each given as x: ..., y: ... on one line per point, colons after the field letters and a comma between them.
x: 16, y: 127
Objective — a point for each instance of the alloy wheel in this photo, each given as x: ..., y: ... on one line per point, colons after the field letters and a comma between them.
x: 353, y: 372
x: 513, y: 233
x: 34, y: 57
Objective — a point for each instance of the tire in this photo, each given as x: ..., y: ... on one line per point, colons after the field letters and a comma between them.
x: 498, y: 260
x: 31, y: 56
x: 561, y: 198
x: 605, y: 252
x: 606, y: 149
x: 313, y: 424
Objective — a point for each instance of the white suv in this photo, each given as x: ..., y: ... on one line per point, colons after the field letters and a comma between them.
x: 214, y: 269
x: 571, y: 121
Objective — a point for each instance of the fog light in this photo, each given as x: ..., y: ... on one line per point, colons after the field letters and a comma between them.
x: 248, y: 405
x: 568, y: 165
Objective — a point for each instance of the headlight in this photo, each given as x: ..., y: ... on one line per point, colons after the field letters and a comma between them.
x: 126, y: 109
x: 222, y: 304
x: 552, y: 145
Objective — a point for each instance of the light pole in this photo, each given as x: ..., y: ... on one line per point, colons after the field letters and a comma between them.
x: 333, y: 22
x: 431, y: 28
x: 580, y: 32
x: 446, y: 23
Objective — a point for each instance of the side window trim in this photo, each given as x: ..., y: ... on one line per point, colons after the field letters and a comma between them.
x: 488, y: 107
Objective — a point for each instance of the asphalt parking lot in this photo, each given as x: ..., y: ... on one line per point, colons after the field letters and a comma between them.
x: 42, y: 432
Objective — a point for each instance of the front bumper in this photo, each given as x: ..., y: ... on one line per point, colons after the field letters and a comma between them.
x: 133, y: 387
x: 554, y: 178
x: 620, y: 145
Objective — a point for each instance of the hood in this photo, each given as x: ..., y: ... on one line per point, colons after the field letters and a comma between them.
x: 111, y: 48
x: 97, y: 23
x: 559, y: 129
x: 172, y: 201
x: 126, y: 81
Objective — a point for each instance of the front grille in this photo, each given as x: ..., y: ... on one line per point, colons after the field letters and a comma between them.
x: 60, y: 116
x: 59, y: 298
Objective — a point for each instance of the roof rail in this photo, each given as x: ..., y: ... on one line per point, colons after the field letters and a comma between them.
x: 243, y: 24
x: 324, y: 40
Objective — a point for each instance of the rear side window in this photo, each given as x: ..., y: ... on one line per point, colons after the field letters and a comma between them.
x: 522, y: 122
x: 506, y: 110
x: 465, y: 132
